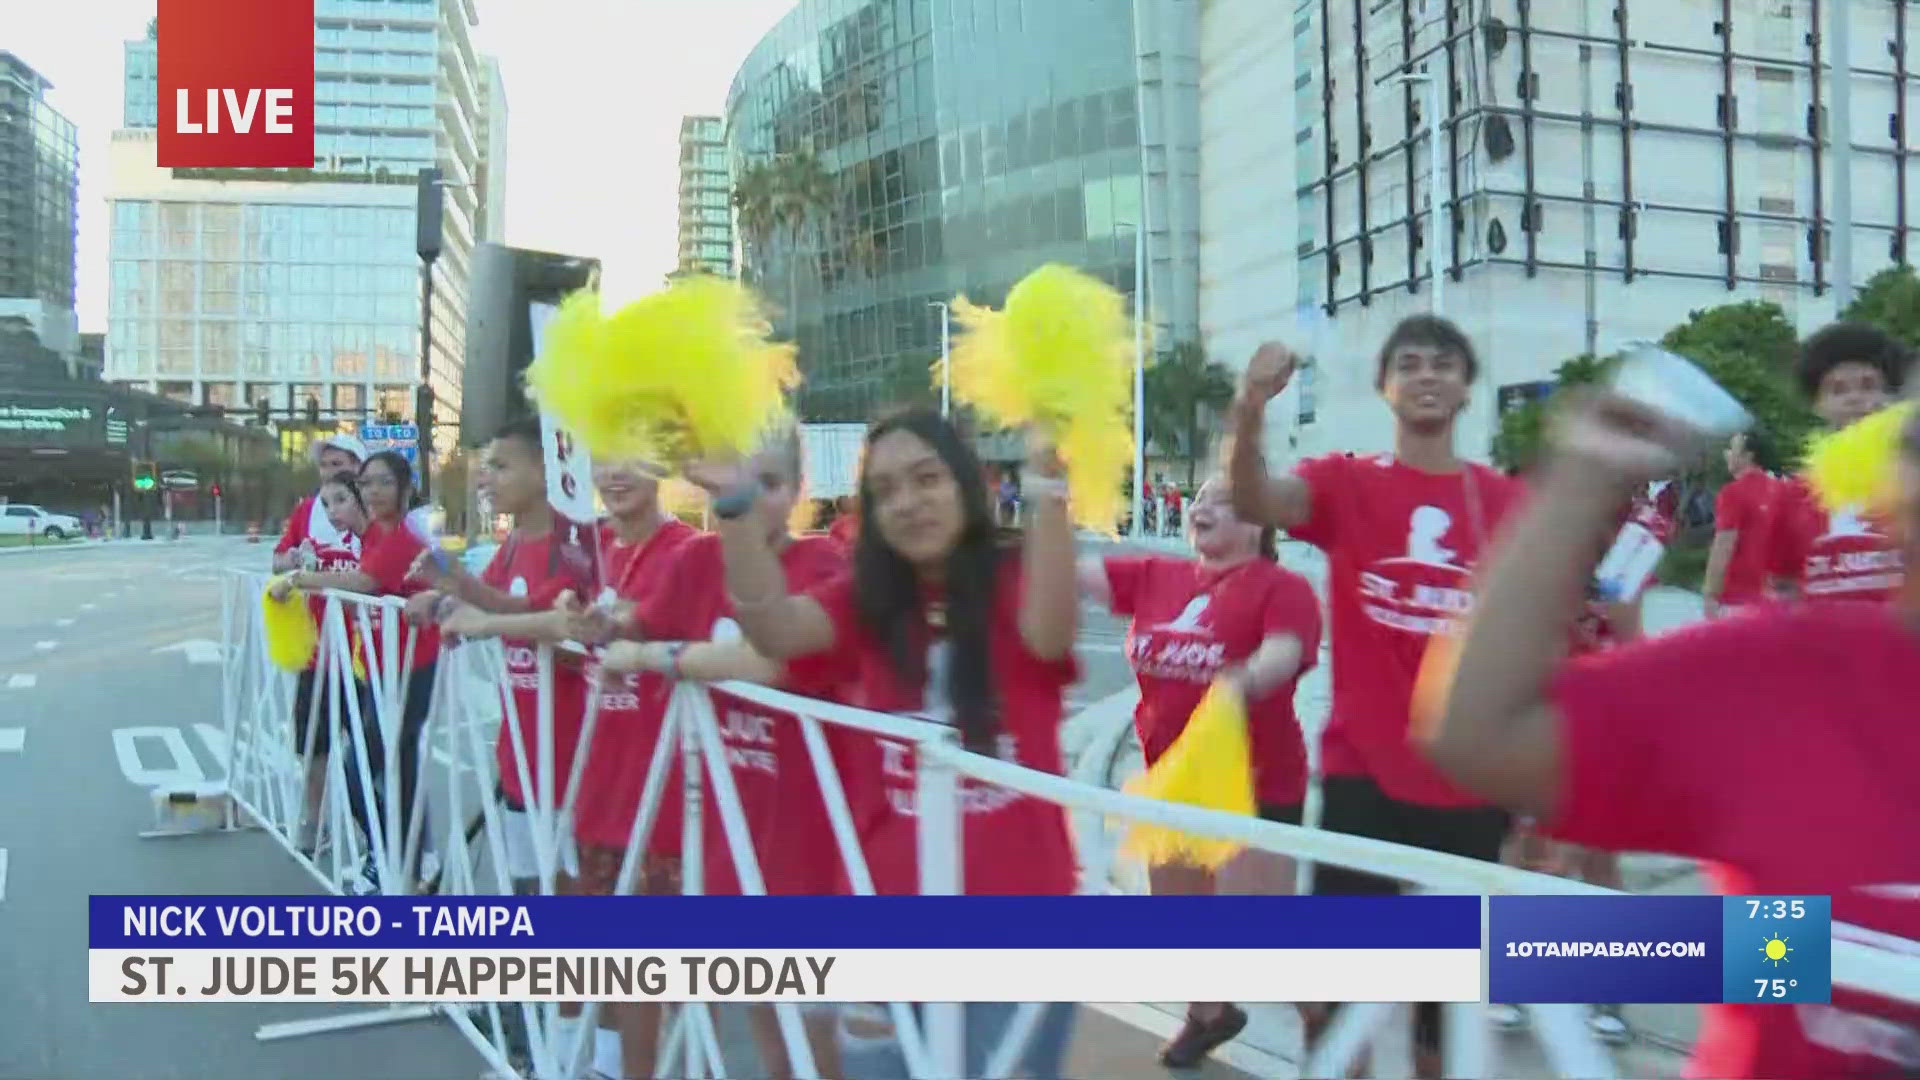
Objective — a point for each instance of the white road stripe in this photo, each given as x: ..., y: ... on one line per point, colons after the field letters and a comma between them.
x: 12, y: 739
x: 1101, y: 646
x: 3, y: 873
x: 63, y: 622
x: 45, y: 646
x: 21, y: 682
x: 90, y: 607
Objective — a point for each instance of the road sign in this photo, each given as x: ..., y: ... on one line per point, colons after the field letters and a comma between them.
x: 402, y: 437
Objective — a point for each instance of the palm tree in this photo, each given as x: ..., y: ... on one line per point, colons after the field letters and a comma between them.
x: 1184, y: 390
x: 754, y: 204
x: 803, y: 193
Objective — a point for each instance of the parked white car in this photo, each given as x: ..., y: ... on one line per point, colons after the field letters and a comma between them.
x: 23, y: 519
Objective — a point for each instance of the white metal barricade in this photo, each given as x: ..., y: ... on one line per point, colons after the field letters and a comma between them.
x: 266, y: 778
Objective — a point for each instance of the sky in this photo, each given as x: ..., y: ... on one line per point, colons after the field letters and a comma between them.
x: 595, y: 93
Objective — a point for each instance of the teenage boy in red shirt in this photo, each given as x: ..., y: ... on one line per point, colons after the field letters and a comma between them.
x: 1402, y: 531
x: 1742, y: 518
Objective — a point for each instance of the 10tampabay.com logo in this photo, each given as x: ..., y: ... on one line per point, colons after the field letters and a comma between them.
x: 236, y: 84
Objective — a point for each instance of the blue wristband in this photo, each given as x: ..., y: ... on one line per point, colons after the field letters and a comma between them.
x: 737, y: 502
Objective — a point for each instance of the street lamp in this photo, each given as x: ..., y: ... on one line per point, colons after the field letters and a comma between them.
x: 946, y: 356
x: 1435, y: 161
x: 1139, y: 369
x: 427, y: 212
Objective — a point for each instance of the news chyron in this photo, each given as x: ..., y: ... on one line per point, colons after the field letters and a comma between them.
x: 236, y: 84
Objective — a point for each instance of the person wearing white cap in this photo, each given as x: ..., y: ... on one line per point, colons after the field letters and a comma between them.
x: 311, y: 541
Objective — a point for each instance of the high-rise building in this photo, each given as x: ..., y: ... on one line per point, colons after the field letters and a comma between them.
x: 962, y: 144
x: 706, y: 222
x: 39, y: 202
x: 1606, y: 168
x: 233, y: 286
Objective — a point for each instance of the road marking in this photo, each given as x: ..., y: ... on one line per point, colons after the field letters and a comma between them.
x: 186, y: 768
x: 12, y: 740
x: 46, y: 646
x: 216, y: 740
x: 21, y: 682
x: 1101, y: 646
x: 90, y: 607
x: 63, y: 622
x: 196, y: 650
x: 3, y: 873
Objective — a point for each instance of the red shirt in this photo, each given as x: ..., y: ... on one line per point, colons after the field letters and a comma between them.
x: 1401, y: 546
x: 533, y: 568
x: 1594, y: 630
x: 1188, y: 624
x: 1745, y: 505
x: 335, y: 550
x: 1833, y: 556
x: 845, y: 529
x: 630, y: 715
x: 1014, y: 845
x: 1796, y: 778
x: 387, y: 556
x: 772, y: 769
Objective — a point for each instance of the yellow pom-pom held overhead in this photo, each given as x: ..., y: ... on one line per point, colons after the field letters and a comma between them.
x: 1210, y: 765
x: 1856, y: 466
x: 683, y: 373
x: 291, y: 635
x: 1059, y: 357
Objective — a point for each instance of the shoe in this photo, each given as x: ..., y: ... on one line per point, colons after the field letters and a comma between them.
x: 364, y: 882
x: 1507, y: 1017
x: 1198, y: 1038
x: 1609, y: 1026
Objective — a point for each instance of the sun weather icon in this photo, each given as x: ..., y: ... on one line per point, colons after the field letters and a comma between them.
x: 1775, y: 949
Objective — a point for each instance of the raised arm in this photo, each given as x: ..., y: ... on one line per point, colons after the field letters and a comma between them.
x: 1281, y: 501
x: 1497, y: 732
x: 1090, y: 577
x: 781, y: 626
x: 1049, y: 600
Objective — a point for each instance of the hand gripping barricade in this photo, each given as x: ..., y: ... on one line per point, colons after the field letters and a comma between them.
x: 267, y: 773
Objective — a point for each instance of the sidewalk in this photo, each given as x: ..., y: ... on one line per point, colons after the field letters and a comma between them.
x: 1099, y: 743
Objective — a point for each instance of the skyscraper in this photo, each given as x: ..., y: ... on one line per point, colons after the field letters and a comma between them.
x: 39, y: 197
x: 234, y: 286
x: 706, y: 226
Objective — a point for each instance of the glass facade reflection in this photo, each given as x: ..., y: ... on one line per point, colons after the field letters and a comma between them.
x: 966, y: 142
x: 242, y: 300
x: 706, y: 225
x: 39, y: 189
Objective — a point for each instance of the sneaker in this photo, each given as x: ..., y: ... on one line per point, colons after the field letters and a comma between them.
x: 1609, y: 1026
x: 1198, y: 1038
x: 1507, y: 1017
x: 363, y: 882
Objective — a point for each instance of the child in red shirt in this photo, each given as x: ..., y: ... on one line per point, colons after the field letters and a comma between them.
x: 938, y: 621
x: 1232, y: 613
x: 1605, y: 752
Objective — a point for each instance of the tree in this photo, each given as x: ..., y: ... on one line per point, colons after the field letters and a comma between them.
x: 753, y: 203
x: 1517, y: 444
x: 1183, y: 391
x: 1891, y: 301
x: 153, y: 28
x: 783, y: 198
x: 1755, y: 328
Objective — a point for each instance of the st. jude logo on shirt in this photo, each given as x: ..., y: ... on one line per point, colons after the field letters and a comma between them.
x: 1423, y: 590
x: 747, y: 732
x: 1182, y: 648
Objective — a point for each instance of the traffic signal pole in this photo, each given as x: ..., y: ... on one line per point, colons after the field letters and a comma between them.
x: 146, y: 497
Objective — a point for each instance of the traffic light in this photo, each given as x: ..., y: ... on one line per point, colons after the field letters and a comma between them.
x: 216, y: 491
x: 143, y: 476
x: 313, y: 410
x: 260, y: 412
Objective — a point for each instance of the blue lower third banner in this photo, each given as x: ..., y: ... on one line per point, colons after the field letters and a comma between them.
x: 830, y: 949
x: 1659, y: 949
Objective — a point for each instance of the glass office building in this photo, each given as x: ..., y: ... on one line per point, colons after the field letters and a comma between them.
x: 706, y: 225
x: 39, y: 196
x: 233, y: 286
x: 965, y: 143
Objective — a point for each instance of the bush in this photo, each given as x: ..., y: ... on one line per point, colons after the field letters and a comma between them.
x: 1684, y: 566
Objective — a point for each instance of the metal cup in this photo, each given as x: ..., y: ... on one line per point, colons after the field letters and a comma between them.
x: 1675, y: 386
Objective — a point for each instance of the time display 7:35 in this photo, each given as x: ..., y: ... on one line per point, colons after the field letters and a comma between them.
x: 1776, y: 909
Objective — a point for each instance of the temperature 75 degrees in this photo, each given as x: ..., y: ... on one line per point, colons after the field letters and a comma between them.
x: 1776, y: 988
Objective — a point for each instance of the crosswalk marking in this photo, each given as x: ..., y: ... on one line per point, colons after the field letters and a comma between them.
x: 21, y: 681
x: 3, y: 873
x: 12, y: 739
x: 63, y: 622
x: 46, y: 646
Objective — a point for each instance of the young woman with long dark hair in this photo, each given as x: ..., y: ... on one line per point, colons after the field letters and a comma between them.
x: 940, y: 620
x: 346, y: 514
x: 1230, y: 612
x: 388, y: 550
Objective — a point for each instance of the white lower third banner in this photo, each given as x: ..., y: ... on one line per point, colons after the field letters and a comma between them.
x: 840, y: 975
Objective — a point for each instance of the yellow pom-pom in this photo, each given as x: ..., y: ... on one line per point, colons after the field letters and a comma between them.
x: 291, y: 635
x: 1210, y: 765
x: 1855, y: 466
x: 1059, y: 357
x: 680, y: 374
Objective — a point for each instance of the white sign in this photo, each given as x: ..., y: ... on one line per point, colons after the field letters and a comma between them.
x: 569, y: 466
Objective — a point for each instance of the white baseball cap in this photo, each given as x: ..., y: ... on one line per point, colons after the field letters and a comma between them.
x: 348, y: 443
